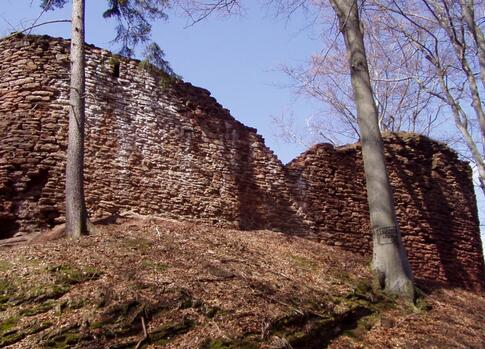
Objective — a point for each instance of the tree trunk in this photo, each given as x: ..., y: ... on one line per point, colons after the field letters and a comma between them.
x: 467, y: 7
x: 76, y: 215
x: 389, y: 263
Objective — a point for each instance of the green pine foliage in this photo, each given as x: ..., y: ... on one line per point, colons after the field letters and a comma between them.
x: 134, y: 20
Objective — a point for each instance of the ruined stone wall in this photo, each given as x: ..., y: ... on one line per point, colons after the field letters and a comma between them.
x: 151, y: 146
x: 156, y: 147
x: 434, y: 198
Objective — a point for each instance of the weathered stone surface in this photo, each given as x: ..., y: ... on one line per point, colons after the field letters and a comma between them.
x: 174, y: 151
x: 434, y: 198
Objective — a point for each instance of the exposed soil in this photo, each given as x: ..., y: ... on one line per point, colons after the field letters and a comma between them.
x: 152, y: 283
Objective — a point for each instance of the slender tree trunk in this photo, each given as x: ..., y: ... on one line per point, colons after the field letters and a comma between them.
x: 390, y: 262
x: 469, y: 17
x: 76, y: 215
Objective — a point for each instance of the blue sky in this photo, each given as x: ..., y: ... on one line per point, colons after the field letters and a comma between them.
x: 237, y: 58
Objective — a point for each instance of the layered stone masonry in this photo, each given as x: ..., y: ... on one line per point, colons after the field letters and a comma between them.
x: 168, y: 148
x: 434, y: 199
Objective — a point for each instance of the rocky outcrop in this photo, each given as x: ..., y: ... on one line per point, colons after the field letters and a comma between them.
x: 156, y: 146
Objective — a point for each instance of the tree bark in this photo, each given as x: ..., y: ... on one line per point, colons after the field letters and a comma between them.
x: 76, y: 214
x: 469, y: 17
x: 389, y: 263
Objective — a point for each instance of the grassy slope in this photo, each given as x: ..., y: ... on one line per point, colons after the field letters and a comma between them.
x: 195, y: 286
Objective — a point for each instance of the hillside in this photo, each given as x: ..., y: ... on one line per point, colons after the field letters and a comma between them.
x: 150, y: 283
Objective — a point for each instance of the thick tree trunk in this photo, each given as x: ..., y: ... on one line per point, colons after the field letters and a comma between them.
x: 76, y: 216
x: 390, y: 262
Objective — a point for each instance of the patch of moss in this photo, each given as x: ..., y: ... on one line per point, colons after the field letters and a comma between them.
x: 4, y: 286
x: 303, y: 262
x: 4, y: 266
x: 65, y: 340
x: 68, y: 337
x: 7, y: 325
x: 11, y: 334
x: 148, y: 67
x: 96, y: 324
x: 30, y: 261
x: 68, y: 275
x: 7, y: 291
x: 44, y: 292
x: 363, y: 294
x: 166, y: 81
x: 138, y: 244
x: 229, y: 344
x: 363, y: 325
x: 38, y: 308
x: 420, y: 304
x: 16, y: 292
x: 113, y: 60
x: 76, y: 303
x: 11, y: 338
x: 157, y: 266
x: 309, y: 330
x: 168, y: 332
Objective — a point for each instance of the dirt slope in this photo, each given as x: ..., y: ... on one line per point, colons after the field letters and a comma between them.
x: 151, y: 283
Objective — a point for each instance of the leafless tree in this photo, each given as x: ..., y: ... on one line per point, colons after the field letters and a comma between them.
x: 197, y: 11
x: 402, y: 103
x: 448, y: 37
x: 389, y: 263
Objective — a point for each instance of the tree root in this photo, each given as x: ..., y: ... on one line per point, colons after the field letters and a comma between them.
x: 59, y: 232
x: 145, y: 333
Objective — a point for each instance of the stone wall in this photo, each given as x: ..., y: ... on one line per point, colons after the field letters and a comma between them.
x: 434, y: 198
x: 154, y: 146
x: 150, y: 148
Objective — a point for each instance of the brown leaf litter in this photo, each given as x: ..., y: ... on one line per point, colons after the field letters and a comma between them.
x: 152, y: 283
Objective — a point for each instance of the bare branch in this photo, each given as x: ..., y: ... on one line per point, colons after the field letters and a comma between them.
x: 39, y: 25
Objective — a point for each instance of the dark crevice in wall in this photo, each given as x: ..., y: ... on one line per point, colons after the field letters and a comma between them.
x: 8, y: 227
x: 116, y: 70
x: 37, y: 182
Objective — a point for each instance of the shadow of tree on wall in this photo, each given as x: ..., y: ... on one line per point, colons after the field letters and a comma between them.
x: 433, y: 216
x: 263, y: 204
x: 249, y: 196
x: 22, y: 202
x: 253, y: 191
x: 238, y: 178
x: 435, y: 206
x: 8, y: 219
x: 329, y: 184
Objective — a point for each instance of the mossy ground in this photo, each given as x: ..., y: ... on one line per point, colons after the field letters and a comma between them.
x: 195, y: 286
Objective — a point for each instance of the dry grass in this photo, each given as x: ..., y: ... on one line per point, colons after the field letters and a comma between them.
x: 196, y: 286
